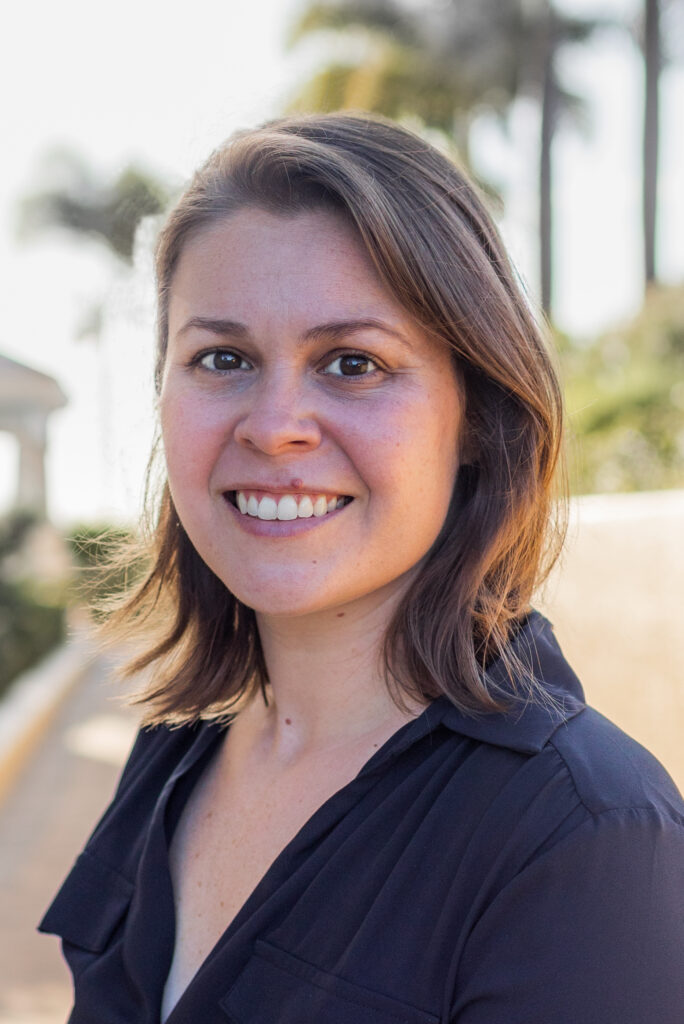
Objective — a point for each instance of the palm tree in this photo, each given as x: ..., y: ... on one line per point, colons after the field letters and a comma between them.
x: 652, y: 51
x: 428, y: 64
x: 77, y: 199
x: 446, y: 63
x: 86, y: 205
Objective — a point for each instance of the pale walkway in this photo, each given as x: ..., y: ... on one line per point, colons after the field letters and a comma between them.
x: 44, y: 821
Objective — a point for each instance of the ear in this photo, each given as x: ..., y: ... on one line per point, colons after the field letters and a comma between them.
x: 469, y: 448
x: 468, y: 455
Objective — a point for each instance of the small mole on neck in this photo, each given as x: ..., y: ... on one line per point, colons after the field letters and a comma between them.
x: 288, y: 721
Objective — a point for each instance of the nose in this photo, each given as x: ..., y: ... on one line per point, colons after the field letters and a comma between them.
x: 275, y: 421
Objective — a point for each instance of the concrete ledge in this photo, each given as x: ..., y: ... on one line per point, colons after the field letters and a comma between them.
x: 33, y: 699
x: 616, y: 602
x: 636, y: 506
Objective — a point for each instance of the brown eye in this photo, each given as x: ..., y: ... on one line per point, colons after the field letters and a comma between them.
x: 222, y: 360
x: 352, y: 365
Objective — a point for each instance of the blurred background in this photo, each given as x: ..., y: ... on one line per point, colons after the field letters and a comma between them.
x: 569, y: 114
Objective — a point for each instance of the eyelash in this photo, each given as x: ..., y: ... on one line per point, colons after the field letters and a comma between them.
x: 198, y: 361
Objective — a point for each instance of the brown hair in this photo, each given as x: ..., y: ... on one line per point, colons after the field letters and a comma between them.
x: 436, y: 249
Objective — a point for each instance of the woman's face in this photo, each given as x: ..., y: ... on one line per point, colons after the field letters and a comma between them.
x: 295, y: 385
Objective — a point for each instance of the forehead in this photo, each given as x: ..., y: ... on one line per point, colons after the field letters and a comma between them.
x: 256, y: 259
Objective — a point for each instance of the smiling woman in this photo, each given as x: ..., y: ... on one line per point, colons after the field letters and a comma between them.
x: 369, y: 781
x: 330, y: 394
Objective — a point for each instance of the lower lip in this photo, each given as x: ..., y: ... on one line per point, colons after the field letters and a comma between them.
x: 276, y: 528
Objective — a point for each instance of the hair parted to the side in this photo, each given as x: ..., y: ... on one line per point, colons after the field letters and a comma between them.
x: 436, y: 249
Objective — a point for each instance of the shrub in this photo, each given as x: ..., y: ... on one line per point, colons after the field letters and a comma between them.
x: 625, y: 397
x: 104, y: 564
x: 31, y: 622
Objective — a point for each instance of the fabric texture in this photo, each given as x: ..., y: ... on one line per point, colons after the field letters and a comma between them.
x: 517, y: 868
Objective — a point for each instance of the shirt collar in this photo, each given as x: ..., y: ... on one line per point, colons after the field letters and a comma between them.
x: 528, y: 723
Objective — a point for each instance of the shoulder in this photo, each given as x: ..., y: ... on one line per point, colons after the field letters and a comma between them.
x: 580, y: 915
x: 621, y: 817
x: 585, y: 918
x: 607, y: 768
x: 562, y: 756
x: 610, y: 771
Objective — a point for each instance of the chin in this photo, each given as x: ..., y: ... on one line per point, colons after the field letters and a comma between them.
x: 275, y: 606
x: 281, y: 598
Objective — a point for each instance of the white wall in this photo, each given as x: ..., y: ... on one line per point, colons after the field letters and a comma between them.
x: 616, y: 601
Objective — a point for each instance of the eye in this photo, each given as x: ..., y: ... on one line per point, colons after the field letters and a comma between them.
x: 222, y: 360
x: 353, y: 364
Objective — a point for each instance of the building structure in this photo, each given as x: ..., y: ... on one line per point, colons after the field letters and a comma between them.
x: 27, y: 398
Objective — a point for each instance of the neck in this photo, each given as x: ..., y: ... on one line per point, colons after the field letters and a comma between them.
x: 327, y: 686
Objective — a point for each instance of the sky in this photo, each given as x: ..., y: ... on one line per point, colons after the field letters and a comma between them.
x: 161, y: 85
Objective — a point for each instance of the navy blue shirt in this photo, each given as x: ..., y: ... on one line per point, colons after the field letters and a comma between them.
x: 517, y: 868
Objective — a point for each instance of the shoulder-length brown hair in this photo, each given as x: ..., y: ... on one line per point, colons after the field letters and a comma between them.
x: 436, y: 249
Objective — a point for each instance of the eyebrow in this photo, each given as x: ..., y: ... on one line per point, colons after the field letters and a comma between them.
x: 336, y: 330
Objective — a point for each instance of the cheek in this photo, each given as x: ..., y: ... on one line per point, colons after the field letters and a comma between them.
x: 425, y: 443
x: 408, y: 462
x: 192, y: 438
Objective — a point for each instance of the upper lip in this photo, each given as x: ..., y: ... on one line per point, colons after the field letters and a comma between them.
x: 270, y: 489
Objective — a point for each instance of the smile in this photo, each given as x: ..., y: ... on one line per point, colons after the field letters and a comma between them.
x: 286, y: 507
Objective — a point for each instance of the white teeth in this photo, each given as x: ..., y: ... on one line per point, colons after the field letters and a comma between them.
x: 288, y: 507
x: 268, y: 509
x: 305, y: 510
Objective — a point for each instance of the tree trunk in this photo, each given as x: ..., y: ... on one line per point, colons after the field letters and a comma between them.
x: 652, y: 66
x: 548, y: 126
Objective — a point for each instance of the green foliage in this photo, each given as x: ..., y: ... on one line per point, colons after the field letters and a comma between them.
x: 394, y: 80
x: 382, y: 16
x: 13, y: 531
x: 31, y: 621
x: 625, y: 398
x: 32, y: 612
x: 84, y: 204
x: 108, y: 562
x: 442, y: 63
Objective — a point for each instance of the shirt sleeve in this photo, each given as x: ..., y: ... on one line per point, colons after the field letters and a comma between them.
x: 591, y: 931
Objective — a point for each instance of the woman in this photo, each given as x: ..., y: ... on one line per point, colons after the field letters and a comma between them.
x: 383, y: 798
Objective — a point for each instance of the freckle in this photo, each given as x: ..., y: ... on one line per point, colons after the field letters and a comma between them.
x: 340, y: 615
x: 222, y: 903
x: 314, y: 562
x: 288, y: 721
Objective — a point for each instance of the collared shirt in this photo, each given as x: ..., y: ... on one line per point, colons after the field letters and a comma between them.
x: 524, y: 867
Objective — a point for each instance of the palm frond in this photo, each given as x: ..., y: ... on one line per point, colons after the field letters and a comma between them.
x: 383, y: 17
